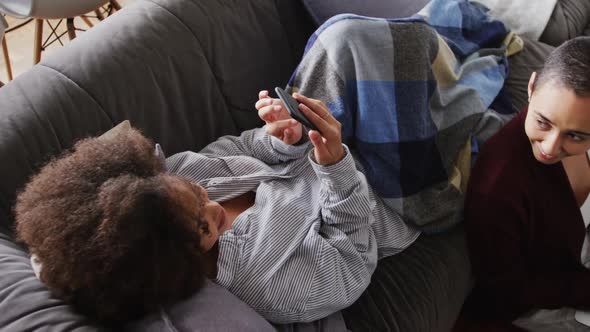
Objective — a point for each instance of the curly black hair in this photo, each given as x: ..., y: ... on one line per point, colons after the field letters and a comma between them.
x: 112, y: 240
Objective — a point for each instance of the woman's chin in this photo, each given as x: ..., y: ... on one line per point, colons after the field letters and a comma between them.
x: 546, y: 160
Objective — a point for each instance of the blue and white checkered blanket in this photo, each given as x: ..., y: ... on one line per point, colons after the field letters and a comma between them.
x: 410, y: 93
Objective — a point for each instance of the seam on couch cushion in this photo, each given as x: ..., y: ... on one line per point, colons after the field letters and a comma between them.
x: 81, y: 89
x: 283, y: 28
x: 227, y: 106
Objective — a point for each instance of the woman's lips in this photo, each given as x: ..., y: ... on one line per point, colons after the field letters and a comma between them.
x: 543, y: 155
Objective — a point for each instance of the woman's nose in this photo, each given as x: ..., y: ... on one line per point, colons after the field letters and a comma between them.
x: 552, y: 144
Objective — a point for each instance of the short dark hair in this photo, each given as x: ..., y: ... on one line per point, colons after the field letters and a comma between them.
x: 111, y: 240
x: 569, y: 66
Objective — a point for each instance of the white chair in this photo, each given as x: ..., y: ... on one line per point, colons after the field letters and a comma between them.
x: 42, y: 10
x: 49, y: 9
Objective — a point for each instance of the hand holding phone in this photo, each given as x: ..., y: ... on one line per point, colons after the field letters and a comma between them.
x: 278, y: 122
x: 292, y: 107
x: 327, y: 139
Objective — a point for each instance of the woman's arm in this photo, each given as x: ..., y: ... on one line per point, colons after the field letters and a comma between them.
x: 301, y: 272
x: 347, y: 249
x: 310, y: 266
x: 256, y: 143
x: 348, y: 255
x: 281, y: 139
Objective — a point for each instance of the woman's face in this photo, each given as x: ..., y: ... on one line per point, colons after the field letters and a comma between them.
x: 195, y: 200
x: 557, y: 123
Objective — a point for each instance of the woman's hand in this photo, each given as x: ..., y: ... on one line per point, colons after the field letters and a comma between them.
x: 278, y: 121
x: 328, y: 140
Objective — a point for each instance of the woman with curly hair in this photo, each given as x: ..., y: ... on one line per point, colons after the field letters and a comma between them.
x: 114, y: 235
x: 283, y: 220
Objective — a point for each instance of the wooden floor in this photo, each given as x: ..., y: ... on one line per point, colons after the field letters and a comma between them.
x: 20, y: 42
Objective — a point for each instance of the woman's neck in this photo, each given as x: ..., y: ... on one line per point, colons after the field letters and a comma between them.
x: 233, y: 208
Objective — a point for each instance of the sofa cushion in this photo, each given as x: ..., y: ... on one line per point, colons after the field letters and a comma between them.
x: 321, y: 10
x: 245, y: 45
x: 41, y: 114
x: 212, y: 309
x: 25, y: 303
x: 522, y: 65
x: 420, y: 289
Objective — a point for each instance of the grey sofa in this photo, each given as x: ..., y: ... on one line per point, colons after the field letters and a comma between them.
x: 186, y: 72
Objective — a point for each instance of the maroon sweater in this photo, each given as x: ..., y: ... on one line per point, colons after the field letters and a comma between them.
x: 524, y: 231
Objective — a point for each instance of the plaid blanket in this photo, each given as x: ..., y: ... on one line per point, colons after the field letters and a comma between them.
x: 410, y: 94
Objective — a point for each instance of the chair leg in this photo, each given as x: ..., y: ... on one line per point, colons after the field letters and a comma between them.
x: 99, y: 14
x: 115, y: 4
x: 71, y: 28
x: 87, y: 21
x: 38, y: 40
x: 7, y: 59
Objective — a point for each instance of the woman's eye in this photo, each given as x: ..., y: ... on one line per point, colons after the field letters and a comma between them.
x: 576, y: 138
x: 542, y: 124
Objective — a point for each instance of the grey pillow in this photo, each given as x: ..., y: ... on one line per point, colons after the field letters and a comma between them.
x: 25, y: 303
x: 212, y: 309
x: 321, y: 10
x: 521, y: 66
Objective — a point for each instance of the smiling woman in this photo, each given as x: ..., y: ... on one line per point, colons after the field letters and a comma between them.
x: 525, y: 229
x: 212, y: 216
x: 558, y: 122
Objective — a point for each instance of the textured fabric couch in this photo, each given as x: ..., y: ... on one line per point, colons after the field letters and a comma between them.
x: 186, y: 72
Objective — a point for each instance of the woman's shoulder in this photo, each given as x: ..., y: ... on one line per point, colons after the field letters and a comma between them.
x: 505, y: 159
x: 510, y: 140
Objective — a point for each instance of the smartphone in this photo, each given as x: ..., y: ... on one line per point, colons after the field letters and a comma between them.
x: 293, y: 108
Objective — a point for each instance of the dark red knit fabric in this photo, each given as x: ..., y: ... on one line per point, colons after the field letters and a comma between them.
x: 524, y: 231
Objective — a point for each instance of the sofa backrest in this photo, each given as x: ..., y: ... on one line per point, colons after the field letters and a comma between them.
x: 183, y: 71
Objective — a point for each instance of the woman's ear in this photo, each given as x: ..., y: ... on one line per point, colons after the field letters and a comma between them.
x: 159, y: 153
x: 531, y: 86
